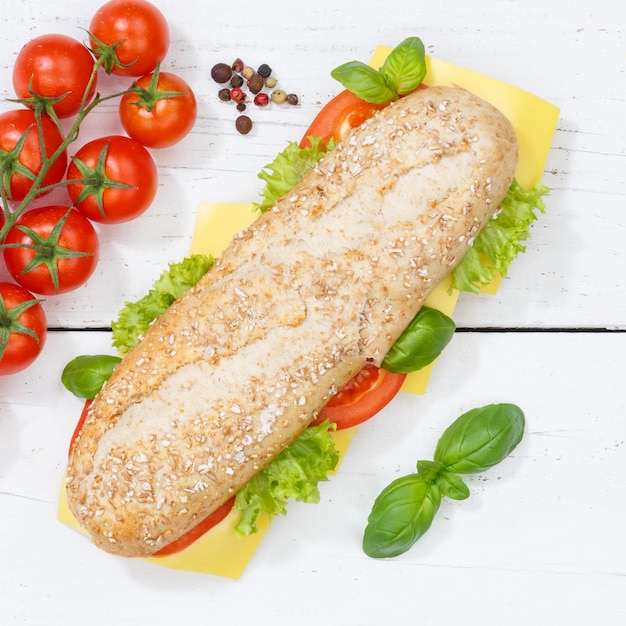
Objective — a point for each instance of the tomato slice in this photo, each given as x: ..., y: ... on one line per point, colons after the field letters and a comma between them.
x: 339, y: 116
x: 198, y: 530
x: 366, y: 394
x: 81, y: 421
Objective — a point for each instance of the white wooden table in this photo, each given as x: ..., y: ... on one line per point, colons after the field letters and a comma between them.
x: 541, y: 539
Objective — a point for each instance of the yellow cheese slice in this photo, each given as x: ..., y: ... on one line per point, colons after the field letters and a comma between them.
x: 533, y: 118
x: 220, y: 551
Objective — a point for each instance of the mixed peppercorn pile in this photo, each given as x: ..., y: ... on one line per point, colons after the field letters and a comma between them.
x: 246, y: 84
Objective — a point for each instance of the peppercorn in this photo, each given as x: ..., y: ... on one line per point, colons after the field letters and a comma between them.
x: 270, y: 82
x: 241, y: 107
x: 236, y: 81
x: 221, y: 72
x: 237, y: 65
x: 255, y: 84
x: 237, y: 94
x: 247, y: 72
x: 292, y: 98
x: 278, y: 96
x: 243, y: 124
x: 265, y: 70
x: 261, y: 99
x: 224, y: 94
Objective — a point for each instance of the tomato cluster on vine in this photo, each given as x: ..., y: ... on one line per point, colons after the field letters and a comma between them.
x: 50, y: 250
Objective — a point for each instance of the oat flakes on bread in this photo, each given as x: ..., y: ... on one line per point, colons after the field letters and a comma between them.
x: 321, y: 283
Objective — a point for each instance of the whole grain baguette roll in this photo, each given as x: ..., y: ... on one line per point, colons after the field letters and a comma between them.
x: 320, y: 284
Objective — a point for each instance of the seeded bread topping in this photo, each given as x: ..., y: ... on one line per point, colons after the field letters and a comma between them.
x: 319, y: 285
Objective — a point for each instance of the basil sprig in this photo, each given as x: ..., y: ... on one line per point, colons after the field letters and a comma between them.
x: 401, y: 73
x: 85, y: 375
x: 423, y: 340
x: 405, y: 509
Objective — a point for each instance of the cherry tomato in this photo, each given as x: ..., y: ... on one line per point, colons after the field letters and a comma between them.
x: 62, y: 254
x: 54, y: 66
x: 112, y: 179
x: 364, y: 396
x: 197, y: 531
x: 22, y: 328
x: 152, y: 117
x: 143, y: 30
x: 13, y: 125
x: 339, y: 116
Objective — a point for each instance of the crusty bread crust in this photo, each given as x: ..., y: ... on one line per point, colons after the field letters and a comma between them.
x: 320, y: 284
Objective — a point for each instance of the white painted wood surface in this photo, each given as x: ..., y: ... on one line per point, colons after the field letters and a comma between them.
x: 541, y: 539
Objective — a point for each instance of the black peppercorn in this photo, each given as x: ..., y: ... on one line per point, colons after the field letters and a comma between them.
x: 292, y: 98
x: 224, y: 94
x: 221, y: 72
x: 255, y: 84
x: 264, y: 70
x: 243, y: 124
x: 241, y: 107
x: 236, y: 81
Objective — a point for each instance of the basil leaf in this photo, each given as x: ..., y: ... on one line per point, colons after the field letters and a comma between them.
x: 405, y: 67
x: 423, y: 340
x: 480, y: 438
x: 364, y: 81
x: 452, y: 485
x: 401, y: 514
x: 85, y: 375
x: 430, y: 470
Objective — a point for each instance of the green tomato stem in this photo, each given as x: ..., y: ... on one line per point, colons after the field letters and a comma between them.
x: 11, y: 215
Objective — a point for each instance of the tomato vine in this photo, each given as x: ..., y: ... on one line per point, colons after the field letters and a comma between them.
x: 34, y: 145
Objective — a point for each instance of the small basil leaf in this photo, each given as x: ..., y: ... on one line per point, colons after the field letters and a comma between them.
x: 430, y: 470
x: 480, y: 438
x: 452, y: 485
x: 405, y: 67
x: 401, y: 514
x: 364, y: 81
x: 423, y: 340
x: 85, y: 375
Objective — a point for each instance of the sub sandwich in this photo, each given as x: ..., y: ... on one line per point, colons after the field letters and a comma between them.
x: 320, y: 285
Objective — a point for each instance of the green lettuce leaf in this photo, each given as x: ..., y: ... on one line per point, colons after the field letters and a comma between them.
x: 287, y: 169
x: 135, y: 318
x: 294, y: 473
x: 501, y: 240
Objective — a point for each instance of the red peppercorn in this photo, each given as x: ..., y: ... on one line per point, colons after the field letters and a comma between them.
x: 237, y: 94
x: 261, y: 99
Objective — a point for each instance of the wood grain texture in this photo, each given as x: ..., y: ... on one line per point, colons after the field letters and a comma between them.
x: 540, y: 541
x: 555, y: 50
